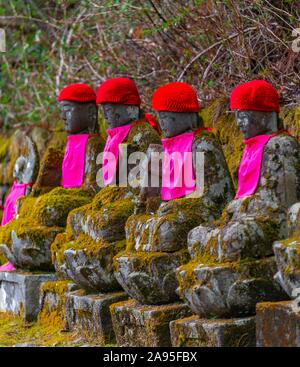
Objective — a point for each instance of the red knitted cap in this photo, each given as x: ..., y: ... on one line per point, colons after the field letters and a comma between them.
x: 175, y: 97
x: 257, y: 95
x: 118, y: 90
x: 78, y: 93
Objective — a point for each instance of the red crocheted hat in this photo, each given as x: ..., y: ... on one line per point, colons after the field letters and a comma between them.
x: 77, y: 92
x: 257, y: 95
x: 175, y: 97
x: 118, y: 90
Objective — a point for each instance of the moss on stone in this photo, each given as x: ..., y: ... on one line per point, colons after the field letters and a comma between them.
x: 26, y: 228
x: 53, y: 208
x: 4, y: 147
x: 54, y: 316
x: 85, y: 243
x: 107, y: 196
x: 291, y: 120
x: 13, y: 330
x: 247, y: 268
x: 185, y: 213
x: 144, y: 260
x: 57, y: 248
x: 50, y: 166
x: 141, y: 136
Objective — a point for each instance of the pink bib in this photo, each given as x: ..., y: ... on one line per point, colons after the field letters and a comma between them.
x: 250, y: 166
x: 18, y: 190
x: 110, y: 160
x: 178, y: 175
x: 74, y: 161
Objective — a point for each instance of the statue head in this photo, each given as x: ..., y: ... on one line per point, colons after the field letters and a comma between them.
x: 117, y: 114
x: 177, y: 106
x: 120, y: 101
x: 26, y: 167
x: 253, y: 123
x: 78, y: 109
x: 256, y: 106
x: 19, y: 169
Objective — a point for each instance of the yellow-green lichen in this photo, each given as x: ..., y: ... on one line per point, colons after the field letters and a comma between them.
x: 145, y: 260
x: 100, y: 250
x: 53, y: 315
x: 50, y: 166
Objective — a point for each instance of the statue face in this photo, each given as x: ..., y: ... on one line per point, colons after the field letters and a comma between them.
x: 79, y: 118
x: 253, y: 123
x: 19, y: 169
x: 176, y: 123
x: 118, y: 114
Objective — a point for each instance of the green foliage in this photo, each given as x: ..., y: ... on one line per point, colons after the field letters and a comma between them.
x: 52, y: 43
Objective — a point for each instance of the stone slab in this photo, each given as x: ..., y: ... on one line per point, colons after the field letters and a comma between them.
x: 53, y: 297
x: 137, y: 325
x: 19, y: 292
x: 278, y: 324
x: 89, y: 314
x: 196, y: 332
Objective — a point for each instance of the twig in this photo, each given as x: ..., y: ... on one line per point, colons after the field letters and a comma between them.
x: 210, y: 48
x: 210, y: 64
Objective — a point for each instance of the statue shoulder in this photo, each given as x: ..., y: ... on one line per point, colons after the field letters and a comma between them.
x: 95, y: 144
x: 283, y: 144
x: 142, y: 135
x: 206, y: 141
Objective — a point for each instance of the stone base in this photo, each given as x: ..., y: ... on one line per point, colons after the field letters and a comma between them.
x: 278, y: 324
x: 19, y: 292
x: 53, y: 296
x: 89, y: 314
x: 137, y: 325
x: 195, y: 332
x: 227, y: 290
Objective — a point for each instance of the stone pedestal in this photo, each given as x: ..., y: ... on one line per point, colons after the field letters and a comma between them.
x: 53, y: 297
x: 196, y: 332
x: 89, y: 314
x: 137, y: 325
x: 278, y: 324
x: 19, y: 292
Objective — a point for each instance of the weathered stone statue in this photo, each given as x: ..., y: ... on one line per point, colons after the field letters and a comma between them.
x: 232, y: 266
x: 157, y: 234
x: 24, y: 173
x: 41, y: 218
x: 287, y: 254
x: 95, y: 232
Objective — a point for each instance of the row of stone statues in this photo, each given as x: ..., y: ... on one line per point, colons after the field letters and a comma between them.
x: 214, y: 251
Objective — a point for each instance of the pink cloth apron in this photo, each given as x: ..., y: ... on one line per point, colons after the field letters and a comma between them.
x: 110, y: 160
x: 74, y: 161
x: 7, y: 267
x: 18, y: 190
x: 250, y: 166
x: 178, y: 174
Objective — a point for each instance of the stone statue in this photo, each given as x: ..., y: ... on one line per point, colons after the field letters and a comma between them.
x: 41, y: 218
x: 95, y: 232
x: 26, y: 167
x: 24, y: 173
x: 287, y: 254
x: 157, y: 234
x: 232, y: 266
